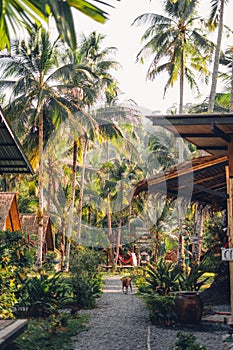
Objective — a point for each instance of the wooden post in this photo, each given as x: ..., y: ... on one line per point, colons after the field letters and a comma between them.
x: 229, y: 182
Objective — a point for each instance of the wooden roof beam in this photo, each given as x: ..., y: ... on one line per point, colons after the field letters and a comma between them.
x: 218, y: 132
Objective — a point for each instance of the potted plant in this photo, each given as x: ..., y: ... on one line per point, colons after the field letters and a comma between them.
x: 188, y: 302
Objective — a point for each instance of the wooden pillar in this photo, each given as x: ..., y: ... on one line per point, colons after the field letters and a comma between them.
x: 229, y: 182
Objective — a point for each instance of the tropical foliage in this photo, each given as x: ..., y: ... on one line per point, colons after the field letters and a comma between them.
x: 177, y: 44
x: 28, y: 14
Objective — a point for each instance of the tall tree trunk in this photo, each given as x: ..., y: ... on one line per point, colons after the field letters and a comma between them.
x: 110, y: 233
x: 198, y: 231
x: 118, y: 242
x: 231, y: 106
x: 49, y: 185
x: 71, y: 210
x: 181, y: 104
x: 63, y: 239
x: 181, y: 158
x: 83, y: 145
x: 109, y: 221
x: 216, y: 59
x: 41, y: 194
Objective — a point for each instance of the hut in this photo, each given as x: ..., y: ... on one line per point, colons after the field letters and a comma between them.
x: 9, y: 214
x: 29, y: 224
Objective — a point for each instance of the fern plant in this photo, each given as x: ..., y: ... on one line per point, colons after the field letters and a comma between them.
x: 162, y: 277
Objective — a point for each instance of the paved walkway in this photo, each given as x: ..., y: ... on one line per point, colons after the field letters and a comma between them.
x: 120, y: 322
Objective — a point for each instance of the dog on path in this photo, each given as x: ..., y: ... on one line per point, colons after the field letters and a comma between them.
x: 126, y: 284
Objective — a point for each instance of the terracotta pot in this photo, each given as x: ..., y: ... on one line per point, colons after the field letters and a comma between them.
x: 188, y: 307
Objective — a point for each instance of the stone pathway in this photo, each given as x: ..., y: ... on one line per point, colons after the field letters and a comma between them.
x: 120, y: 322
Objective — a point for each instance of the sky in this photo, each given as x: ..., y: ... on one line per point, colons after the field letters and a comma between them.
x: 120, y: 33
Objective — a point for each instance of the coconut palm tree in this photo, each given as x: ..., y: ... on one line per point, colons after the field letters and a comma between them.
x: 226, y: 60
x: 17, y: 14
x: 38, y: 97
x: 177, y: 47
x: 100, y: 60
x: 216, y: 20
x: 91, y: 54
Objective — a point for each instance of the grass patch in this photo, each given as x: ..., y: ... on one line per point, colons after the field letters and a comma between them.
x: 54, y: 333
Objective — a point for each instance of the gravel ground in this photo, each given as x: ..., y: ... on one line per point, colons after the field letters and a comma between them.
x: 120, y: 322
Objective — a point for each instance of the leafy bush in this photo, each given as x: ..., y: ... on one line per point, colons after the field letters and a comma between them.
x: 52, y: 333
x: 85, y: 261
x: 85, y: 291
x: 187, y: 342
x: 161, y: 308
x: 42, y: 295
x: 50, y: 261
x: 159, y: 283
x: 192, y: 280
x: 161, y: 278
x: 16, y: 258
x: 85, y: 279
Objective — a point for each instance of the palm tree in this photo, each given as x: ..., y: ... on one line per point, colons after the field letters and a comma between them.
x: 216, y: 19
x: 177, y: 48
x: 38, y: 96
x: 176, y: 45
x: 226, y: 60
x: 18, y: 14
x: 99, y: 59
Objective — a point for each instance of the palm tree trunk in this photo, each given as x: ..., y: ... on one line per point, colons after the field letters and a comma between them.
x: 216, y: 59
x: 118, y: 242
x: 71, y: 211
x: 41, y: 194
x: 231, y: 106
x: 181, y: 82
x: 109, y: 220
x: 63, y: 239
x: 49, y: 185
x: 198, y: 232
x: 181, y: 152
x: 83, y: 144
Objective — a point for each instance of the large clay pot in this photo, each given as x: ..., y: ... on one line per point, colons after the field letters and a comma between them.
x: 188, y: 307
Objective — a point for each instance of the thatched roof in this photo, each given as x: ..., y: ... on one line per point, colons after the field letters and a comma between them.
x: 29, y: 224
x: 9, y: 215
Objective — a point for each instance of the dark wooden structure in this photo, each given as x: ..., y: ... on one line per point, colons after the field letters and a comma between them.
x: 212, y: 133
x: 29, y: 224
x: 9, y: 330
x: 201, y: 180
x: 12, y: 158
x: 9, y: 214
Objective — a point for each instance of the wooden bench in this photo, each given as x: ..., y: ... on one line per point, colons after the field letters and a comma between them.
x: 11, y: 329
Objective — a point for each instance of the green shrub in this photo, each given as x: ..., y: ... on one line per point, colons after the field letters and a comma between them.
x: 193, y: 281
x: 42, y: 295
x: 16, y: 258
x: 50, y: 261
x: 85, y: 279
x: 85, y: 291
x: 52, y: 333
x: 187, y: 342
x: 161, y: 308
x: 162, y: 277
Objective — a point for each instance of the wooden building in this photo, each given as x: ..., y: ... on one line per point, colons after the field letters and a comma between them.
x: 9, y: 214
x: 29, y: 224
